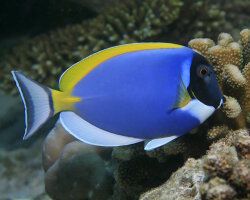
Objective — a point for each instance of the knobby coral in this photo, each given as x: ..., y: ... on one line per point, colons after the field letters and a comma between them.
x: 231, y: 64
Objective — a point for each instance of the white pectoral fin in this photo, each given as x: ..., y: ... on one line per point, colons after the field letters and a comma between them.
x: 152, y: 144
x: 90, y: 134
x: 199, y: 110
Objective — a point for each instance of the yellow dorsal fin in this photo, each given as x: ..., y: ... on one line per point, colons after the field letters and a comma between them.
x: 63, y: 101
x: 77, y: 71
x: 183, y: 97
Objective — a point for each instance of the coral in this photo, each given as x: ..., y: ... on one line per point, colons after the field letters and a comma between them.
x: 245, y: 42
x: 220, y: 161
x: 79, y: 173
x: 208, y: 19
x: 125, y: 153
x: 54, y: 144
x: 46, y: 56
x: 221, y: 174
x: 188, y: 145
x: 231, y: 107
x: 74, y: 170
x: 236, y: 14
x: 228, y: 159
x: 201, y: 45
x: 132, y: 169
x: 217, y: 189
x: 217, y: 132
x: 246, y: 97
x: 140, y: 174
x: 183, y: 184
x: 230, y: 61
x: 233, y: 76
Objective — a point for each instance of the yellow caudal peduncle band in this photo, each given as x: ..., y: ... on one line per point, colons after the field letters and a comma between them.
x: 76, y: 72
x: 63, y: 101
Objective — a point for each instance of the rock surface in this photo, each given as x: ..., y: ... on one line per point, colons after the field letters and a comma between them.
x: 222, y: 174
x: 184, y: 184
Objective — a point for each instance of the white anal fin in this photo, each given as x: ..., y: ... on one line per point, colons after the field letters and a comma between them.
x: 152, y: 144
x: 90, y: 134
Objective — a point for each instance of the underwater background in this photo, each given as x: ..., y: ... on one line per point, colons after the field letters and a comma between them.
x: 44, y: 37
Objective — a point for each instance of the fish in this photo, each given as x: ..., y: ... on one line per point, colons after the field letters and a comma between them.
x: 139, y: 92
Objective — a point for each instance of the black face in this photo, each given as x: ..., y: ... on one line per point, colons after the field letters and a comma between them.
x: 203, y: 84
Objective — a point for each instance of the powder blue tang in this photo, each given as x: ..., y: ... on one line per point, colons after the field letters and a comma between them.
x: 152, y: 92
x: 133, y: 94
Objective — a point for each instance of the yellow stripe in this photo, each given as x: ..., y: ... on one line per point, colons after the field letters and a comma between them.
x: 76, y: 72
x: 63, y: 101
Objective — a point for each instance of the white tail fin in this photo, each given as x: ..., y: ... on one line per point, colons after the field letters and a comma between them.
x: 37, y: 102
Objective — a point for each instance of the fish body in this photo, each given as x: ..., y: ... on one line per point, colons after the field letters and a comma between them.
x: 127, y: 94
x: 133, y: 94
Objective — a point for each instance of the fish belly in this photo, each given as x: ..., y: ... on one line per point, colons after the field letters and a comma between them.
x: 133, y: 94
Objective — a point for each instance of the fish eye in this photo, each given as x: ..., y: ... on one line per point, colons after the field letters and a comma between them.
x: 203, y: 71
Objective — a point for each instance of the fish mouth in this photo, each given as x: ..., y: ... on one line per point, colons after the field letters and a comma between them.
x: 221, y: 103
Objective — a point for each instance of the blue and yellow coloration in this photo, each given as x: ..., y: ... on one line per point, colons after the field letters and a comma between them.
x: 127, y: 94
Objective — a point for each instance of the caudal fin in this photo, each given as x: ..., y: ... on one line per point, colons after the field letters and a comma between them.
x: 37, y: 101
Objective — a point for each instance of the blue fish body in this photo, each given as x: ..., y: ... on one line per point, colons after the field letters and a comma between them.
x: 133, y: 94
x: 152, y: 92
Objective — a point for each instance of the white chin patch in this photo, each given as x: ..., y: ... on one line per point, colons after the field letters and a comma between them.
x: 199, y: 110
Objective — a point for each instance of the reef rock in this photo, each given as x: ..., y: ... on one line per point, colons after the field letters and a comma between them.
x: 184, y: 184
x: 54, y: 144
x: 224, y: 173
x: 74, y: 170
